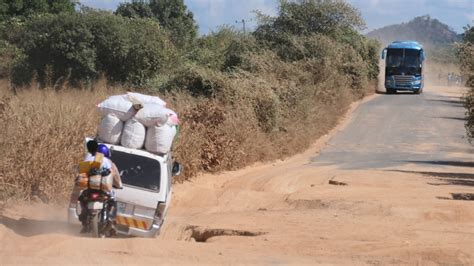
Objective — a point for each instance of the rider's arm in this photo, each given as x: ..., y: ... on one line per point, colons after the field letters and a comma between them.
x: 116, y: 176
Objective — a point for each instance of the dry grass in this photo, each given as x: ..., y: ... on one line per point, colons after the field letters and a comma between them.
x: 42, y: 140
x: 254, y: 118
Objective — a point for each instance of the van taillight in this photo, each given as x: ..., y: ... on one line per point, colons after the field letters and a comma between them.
x: 159, y: 213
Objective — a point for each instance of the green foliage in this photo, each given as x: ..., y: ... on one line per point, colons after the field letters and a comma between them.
x: 466, y: 56
x: 171, y: 14
x: 149, y: 52
x: 135, y: 9
x: 8, y: 53
x: 468, y: 36
x: 23, y: 9
x: 174, y: 16
x: 197, y: 81
x: 238, y: 51
x: 210, y: 50
x: 304, y: 17
x: 78, y: 47
x: 64, y: 43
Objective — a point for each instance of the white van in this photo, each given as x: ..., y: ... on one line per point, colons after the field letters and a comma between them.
x: 147, y: 185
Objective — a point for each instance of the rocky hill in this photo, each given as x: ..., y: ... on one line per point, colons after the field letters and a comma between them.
x: 424, y: 29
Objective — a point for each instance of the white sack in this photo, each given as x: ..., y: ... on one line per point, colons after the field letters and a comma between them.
x: 110, y: 129
x: 172, y: 117
x: 133, y: 134
x: 160, y: 138
x: 152, y: 115
x: 146, y: 98
x: 118, y: 105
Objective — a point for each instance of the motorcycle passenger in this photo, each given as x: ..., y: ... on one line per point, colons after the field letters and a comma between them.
x: 108, y: 166
x: 93, y: 147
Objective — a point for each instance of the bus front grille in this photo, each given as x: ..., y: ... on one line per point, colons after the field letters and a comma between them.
x: 403, y: 80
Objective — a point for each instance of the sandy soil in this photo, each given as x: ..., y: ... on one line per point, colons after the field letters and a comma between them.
x: 285, y: 212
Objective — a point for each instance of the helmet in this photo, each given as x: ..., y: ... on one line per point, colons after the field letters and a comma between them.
x: 102, y: 148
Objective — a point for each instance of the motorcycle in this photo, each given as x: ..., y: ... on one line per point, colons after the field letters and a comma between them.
x: 97, y: 215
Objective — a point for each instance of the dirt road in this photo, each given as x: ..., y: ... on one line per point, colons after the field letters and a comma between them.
x: 386, y: 189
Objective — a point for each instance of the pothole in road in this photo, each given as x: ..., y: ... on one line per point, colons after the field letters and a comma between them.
x: 462, y: 196
x: 459, y: 196
x: 200, y: 234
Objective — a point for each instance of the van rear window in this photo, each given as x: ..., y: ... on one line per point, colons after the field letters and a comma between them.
x: 138, y: 171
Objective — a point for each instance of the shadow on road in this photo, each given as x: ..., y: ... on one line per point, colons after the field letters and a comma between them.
x: 30, y: 227
x: 453, y: 118
x: 459, y: 179
x: 448, y: 163
x: 453, y: 102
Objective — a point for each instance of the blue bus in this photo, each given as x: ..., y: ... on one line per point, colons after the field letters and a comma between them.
x: 404, y: 67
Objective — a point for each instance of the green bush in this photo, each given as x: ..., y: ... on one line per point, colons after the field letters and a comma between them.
x: 305, y: 17
x: 24, y: 9
x: 64, y: 42
x: 172, y: 15
x: 78, y: 47
x: 466, y: 56
x: 198, y: 81
x: 210, y: 50
x: 238, y: 50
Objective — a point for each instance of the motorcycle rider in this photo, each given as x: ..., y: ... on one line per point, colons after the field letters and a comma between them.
x: 108, y: 166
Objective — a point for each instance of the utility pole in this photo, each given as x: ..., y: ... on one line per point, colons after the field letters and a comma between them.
x: 243, y: 24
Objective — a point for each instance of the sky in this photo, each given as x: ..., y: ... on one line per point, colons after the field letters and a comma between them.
x: 210, y: 14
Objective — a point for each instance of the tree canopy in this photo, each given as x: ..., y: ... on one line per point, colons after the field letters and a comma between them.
x: 172, y: 15
x: 25, y: 8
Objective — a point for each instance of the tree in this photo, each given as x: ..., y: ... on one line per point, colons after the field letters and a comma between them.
x: 135, y: 9
x: 466, y: 56
x: 60, y: 46
x: 79, y: 46
x: 172, y: 15
x: 305, y: 17
x: 22, y: 8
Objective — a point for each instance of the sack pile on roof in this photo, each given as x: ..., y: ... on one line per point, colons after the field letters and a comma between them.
x: 137, y: 121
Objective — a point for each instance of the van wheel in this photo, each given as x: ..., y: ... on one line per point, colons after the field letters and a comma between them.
x: 391, y: 91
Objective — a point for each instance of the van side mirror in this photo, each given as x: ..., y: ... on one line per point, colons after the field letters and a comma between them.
x: 383, y: 53
x: 176, y: 169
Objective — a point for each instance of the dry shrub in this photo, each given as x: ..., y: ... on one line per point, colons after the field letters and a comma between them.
x: 272, y: 113
x: 42, y: 141
x: 229, y: 120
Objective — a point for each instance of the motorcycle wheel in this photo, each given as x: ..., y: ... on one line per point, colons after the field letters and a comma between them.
x: 95, y: 226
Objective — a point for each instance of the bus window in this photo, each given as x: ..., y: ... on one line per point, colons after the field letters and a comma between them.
x: 394, y: 57
x: 412, y: 58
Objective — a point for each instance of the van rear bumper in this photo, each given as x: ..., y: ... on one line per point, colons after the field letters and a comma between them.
x: 73, y: 218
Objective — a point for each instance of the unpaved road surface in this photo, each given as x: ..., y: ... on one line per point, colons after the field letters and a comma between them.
x: 390, y: 187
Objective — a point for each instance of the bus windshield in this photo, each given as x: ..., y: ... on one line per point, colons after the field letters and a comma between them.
x: 403, y: 61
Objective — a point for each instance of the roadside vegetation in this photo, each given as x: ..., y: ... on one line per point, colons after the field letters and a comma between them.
x: 241, y: 97
x: 466, y: 56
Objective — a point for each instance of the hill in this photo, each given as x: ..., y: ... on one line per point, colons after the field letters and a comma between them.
x: 437, y: 37
x: 429, y: 31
